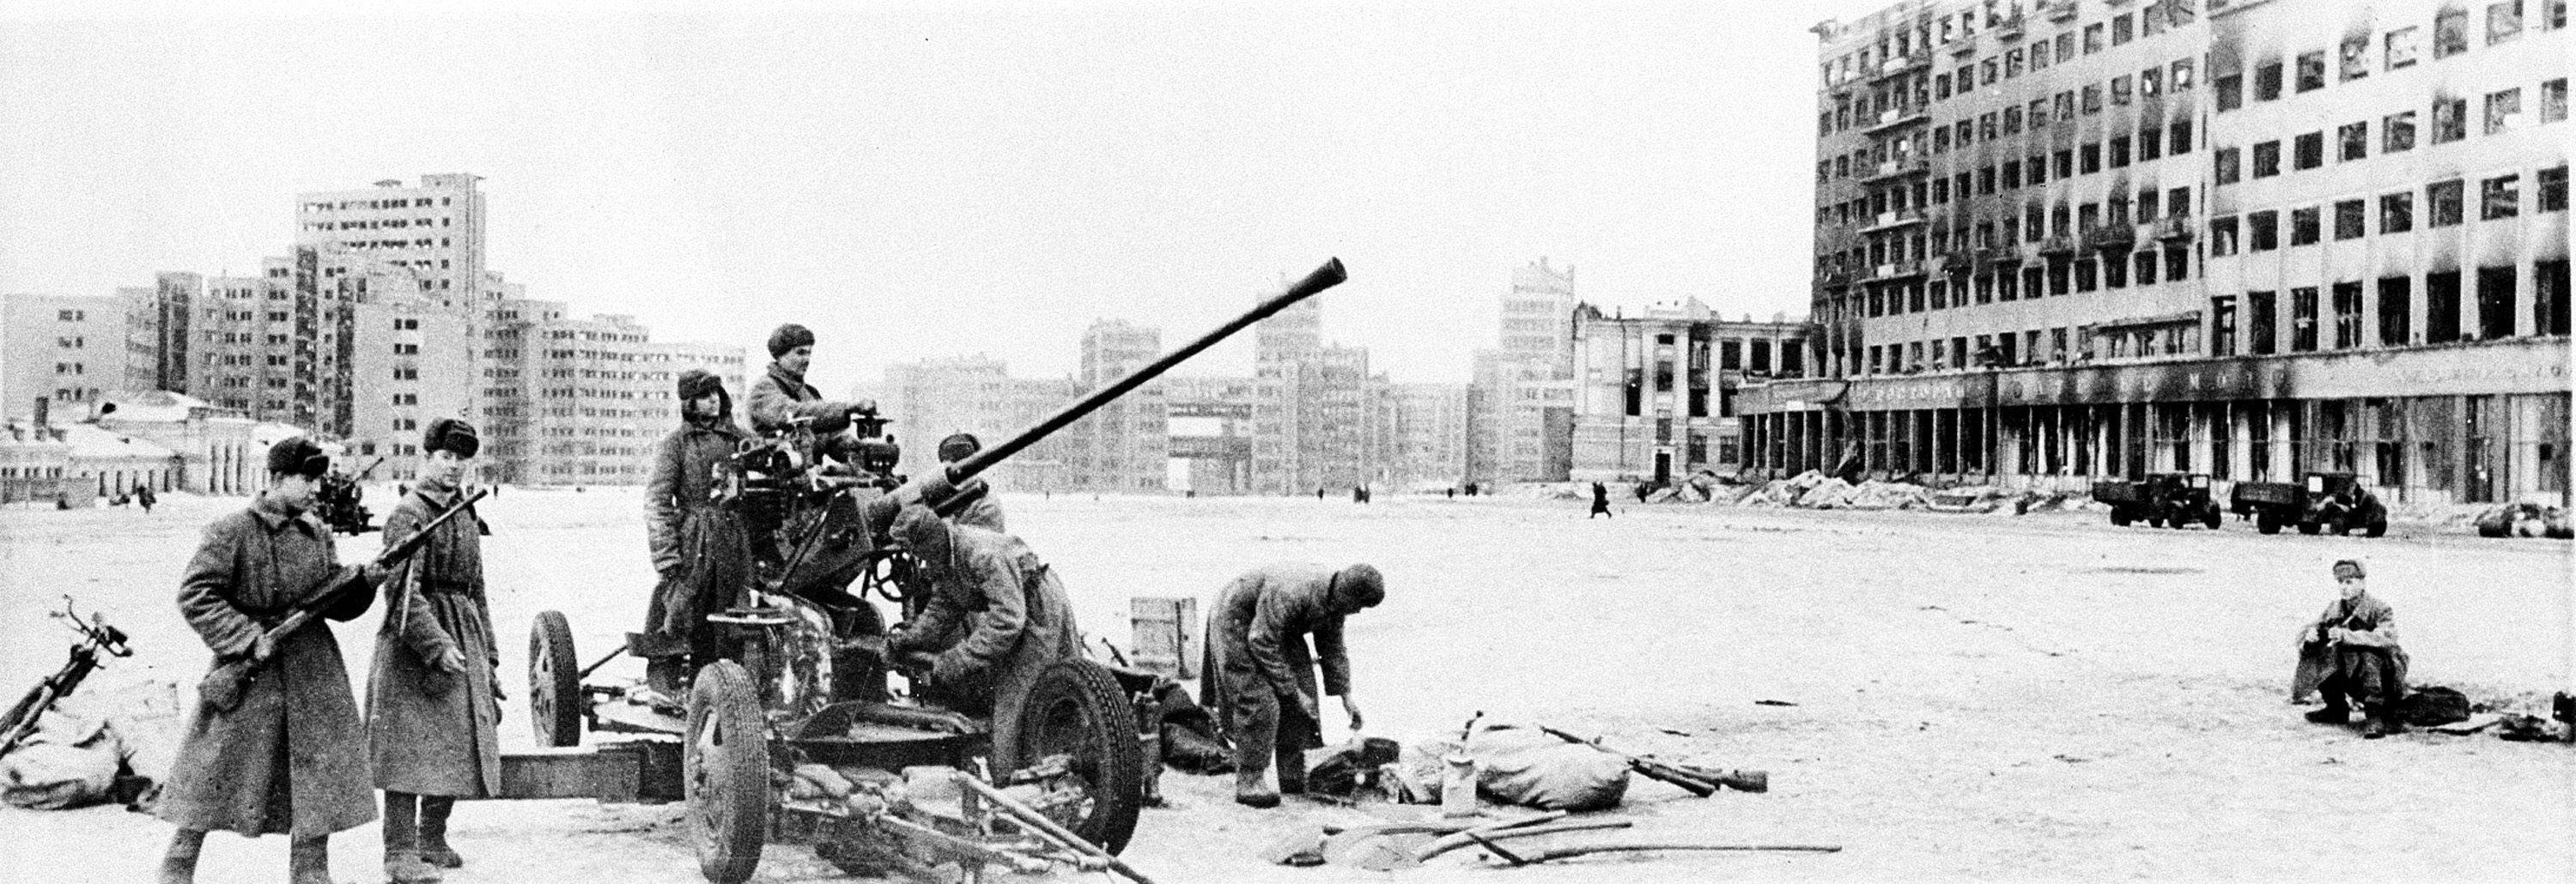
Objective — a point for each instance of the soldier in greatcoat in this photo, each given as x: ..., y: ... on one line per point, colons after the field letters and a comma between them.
x: 699, y: 548
x: 983, y: 511
x: 1259, y: 676
x: 2350, y: 652
x: 997, y: 617
x: 782, y: 395
x: 288, y: 757
x: 433, y: 700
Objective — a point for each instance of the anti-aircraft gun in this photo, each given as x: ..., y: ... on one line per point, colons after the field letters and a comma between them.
x: 792, y: 730
x: 339, y: 501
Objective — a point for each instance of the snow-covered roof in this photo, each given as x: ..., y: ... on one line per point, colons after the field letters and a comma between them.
x: 91, y: 443
x: 157, y: 406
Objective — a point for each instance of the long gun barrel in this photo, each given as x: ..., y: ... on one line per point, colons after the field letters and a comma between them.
x: 223, y: 687
x: 1324, y: 277
x: 943, y: 494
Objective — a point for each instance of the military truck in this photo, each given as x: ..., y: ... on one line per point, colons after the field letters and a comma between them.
x: 2335, y: 502
x: 2162, y: 500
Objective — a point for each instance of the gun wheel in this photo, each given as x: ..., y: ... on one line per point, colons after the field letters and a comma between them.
x: 1076, y: 709
x: 554, y: 681
x: 726, y: 768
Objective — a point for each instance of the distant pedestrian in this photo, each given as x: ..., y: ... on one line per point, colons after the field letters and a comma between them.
x: 1319, y: 492
x: 1643, y: 490
x: 143, y: 495
x: 1453, y: 492
x: 1600, y: 501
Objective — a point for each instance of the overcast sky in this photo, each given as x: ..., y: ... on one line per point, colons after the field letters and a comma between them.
x: 916, y: 180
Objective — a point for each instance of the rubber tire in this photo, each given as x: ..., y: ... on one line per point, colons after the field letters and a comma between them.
x: 2310, y: 527
x: 2210, y: 518
x: 554, y: 681
x: 2120, y: 519
x: 2267, y: 524
x: 2155, y: 521
x: 1077, y: 707
x: 2376, y: 529
x: 725, y: 767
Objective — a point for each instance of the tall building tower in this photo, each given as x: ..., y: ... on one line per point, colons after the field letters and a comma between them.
x: 435, y: 229
x: 1126, y: 441
x: 2249, y: 239
x: 1520, y: 408
x: 68, y: 350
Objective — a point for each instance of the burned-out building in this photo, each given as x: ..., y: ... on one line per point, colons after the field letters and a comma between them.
x: 2253, y: 239
x: 1654, y: 392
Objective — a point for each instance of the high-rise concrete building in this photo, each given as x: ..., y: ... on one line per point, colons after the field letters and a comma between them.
x: 1654, y: 393
x: 1121, y: 446
x: 2252, y: 239
x: 599, y: 392
x: 1429, y: 438
x: 434, y: 229
x: 930, y: 399
x: 70, y: 351
x: 1287, y: 366
x: 1521, y: 401
x: 1212, y: 437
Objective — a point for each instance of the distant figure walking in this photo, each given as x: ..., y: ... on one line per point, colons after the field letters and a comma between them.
x: 1600, y: 501
x: 143, y: 495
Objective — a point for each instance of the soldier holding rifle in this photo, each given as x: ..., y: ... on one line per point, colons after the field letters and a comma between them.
x: 433, y: 701
x: 284, y: 754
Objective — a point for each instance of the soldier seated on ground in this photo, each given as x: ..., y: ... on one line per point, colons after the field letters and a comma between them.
x: 2351, y: 653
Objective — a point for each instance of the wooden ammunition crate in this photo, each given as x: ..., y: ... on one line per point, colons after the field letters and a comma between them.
x: 1164, y: 636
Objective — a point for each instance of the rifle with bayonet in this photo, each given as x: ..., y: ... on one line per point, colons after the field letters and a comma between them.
x: 1699, y: 781
x: 223, y: 688
x: 96, y: 636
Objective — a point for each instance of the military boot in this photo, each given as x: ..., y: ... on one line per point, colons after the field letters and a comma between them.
x: 308, y: 860
x: 1292, y: 769
x: 179, y: 866
x: 403, y: 864
x: 2379, y: 721
x: 1252, y: 789
x: 433, y: 832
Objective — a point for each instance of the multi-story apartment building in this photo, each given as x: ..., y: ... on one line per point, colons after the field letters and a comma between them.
x: 598, y: 393
x: 1287, y: 367
x: 2252, y: 239
x: 1654, y: 394
x: 1520, y: 404
x: 1429, y: 439
x: 930, y: 399
x: 70, y: 351
x: 434, y: 230
x: 1121, y: 446
x: 1211, y: 436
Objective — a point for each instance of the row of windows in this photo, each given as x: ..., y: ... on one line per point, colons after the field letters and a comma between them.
x: 2341, y: 307
x: 2032, y: 281
x: 2400, y: 48
x: 1898, y: 49
x: 1992, y: 179
x: 2446, y: 204
x: 377, y: 224
x: 345, y: 205
x: 2396, y: 134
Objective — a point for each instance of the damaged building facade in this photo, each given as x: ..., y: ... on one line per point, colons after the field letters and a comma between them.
x: 1655, y: 393
x: 2251, y: 239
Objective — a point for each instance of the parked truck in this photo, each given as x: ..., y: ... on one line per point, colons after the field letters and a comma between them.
x: 2336, y: 502
x: 2162, y: 500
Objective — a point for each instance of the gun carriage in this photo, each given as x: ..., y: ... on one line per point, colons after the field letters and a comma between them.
x: 793, y: 728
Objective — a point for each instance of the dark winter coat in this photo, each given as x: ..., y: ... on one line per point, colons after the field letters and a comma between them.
x: 779, y: 397
x: 430, y: 732
x: 288, y: 758
x: 701, y: 549
x: 1265, y: 617
x: 1015, y: 618
x: 2372, y: 623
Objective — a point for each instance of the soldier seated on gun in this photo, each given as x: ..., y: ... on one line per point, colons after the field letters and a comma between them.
x: 782, y: 397
x: 2352, y: 651
x: 997, y: 618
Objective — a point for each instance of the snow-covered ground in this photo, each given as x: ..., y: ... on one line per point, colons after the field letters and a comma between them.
x: 1976, y: 697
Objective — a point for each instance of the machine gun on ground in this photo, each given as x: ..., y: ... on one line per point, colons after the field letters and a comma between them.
x: 1699, y: 781
x: 791, y: 731
x: 96, y: 636
x: 337, y: 501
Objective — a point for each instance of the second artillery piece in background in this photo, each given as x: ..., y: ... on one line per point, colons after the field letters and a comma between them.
x: 791, y: 731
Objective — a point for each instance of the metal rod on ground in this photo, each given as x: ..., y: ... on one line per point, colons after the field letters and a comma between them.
x: 1480, y: 835
x: 1540, y: 856
x: 1025, y: 815
x: 603, y: 661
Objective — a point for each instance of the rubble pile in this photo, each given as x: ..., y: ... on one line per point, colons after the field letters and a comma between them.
x: 2523, y: 520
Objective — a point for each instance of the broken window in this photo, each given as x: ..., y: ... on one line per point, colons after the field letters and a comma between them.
x: 2397, y: 132
x: 2304, y: 226
x: 2553, y: 189
x: 2450, y: 119
x: 2395, y: 310
x: 2347, y: 315
x: 2443, y: 198
x: 2401, y: 47
x: 2396, y: 212
x: 2303, y: 319
x: 2504, y: 21
x: 2356, y: 57
x: 2267, y: 159
x: 2224, y: 165
x: 2263, y: 231
x: 2504, y: 110
x: 2312, y: 71
x: 2267, y: 81
x: 2500, y: 197
x: 2353, y: 140
x: 2450, y: 33
x: 2351, y: 219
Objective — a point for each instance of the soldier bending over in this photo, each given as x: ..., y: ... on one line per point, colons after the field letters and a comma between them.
x: 1259, y: 676
x: 1015, y: 619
